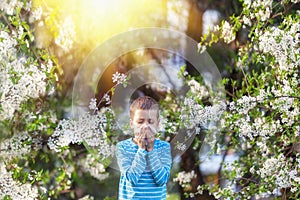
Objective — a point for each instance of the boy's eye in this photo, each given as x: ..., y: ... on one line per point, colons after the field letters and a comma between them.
x: 151, y: 121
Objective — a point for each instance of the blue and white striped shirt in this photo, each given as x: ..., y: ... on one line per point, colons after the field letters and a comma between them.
x: 143, y: 174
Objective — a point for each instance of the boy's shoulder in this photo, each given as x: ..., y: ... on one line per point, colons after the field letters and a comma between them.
x: 161, y: 143
x: 125, y: 142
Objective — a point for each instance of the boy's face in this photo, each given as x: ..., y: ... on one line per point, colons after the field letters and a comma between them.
x: 144, y: 120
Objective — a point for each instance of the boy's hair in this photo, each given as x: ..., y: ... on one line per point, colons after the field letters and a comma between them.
x: 143, y: 103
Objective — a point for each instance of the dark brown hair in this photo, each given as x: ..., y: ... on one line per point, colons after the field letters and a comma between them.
x: 143, y: 103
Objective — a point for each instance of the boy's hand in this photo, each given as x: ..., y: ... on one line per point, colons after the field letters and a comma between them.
x: 140, y: 140
x: 150, y: 141
x: 145, y: 139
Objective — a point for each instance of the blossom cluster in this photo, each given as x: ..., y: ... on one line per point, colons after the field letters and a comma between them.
x: 199, y: 90
x: 243, y: 105
x: 227, y: 33
x: 278, y: 168
x: 181, y: 147
x: 275, y: 173
x: 20, y: 78
x: 93, y: 104
x: 184, y: 178
x: 36, y: 14
x: 89, y: 128
x: 106, y: 98
x: 18, y: 145
x: 10, y: 6
x: 15, y: 189
x: 19, y: 83
x: 194, y: 114
x: 283, y: 45
x: 262, y: 119
x: 119, y: 78
x: 261, y: 9
x: 66, y: 35
x: 92, y: 165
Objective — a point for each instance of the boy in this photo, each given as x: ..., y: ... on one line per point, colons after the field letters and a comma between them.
x: 144, y: 161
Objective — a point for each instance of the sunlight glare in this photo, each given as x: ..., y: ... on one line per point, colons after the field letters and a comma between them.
x: 97, y: 20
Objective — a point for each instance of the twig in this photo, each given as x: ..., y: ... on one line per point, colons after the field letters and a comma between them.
x: 8, y: 23
x: 221, y: 165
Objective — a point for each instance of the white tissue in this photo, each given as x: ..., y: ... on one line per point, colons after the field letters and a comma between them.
x: 137, y: 129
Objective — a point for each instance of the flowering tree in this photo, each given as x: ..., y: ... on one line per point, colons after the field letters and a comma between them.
x: 42, y: 157
x: 262, y: 116
x: 27, y: 102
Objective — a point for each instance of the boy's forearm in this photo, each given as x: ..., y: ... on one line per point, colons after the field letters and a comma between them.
x: 132, y: 170
x: 160, y: 170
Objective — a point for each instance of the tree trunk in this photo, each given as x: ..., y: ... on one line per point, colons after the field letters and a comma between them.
x: 189, y: 162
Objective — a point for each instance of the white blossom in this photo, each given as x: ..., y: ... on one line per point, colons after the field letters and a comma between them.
x: 294, y: 189
x: 281, y: 44
x: 93, y: 104
x: 247, y: 21
x: 119, y: 78
x: 201, y: 48
x: 87, y: 197
x: 18, y: 145
x: 295, y: 1
x: 15, y: 189
x: 184, y: 178
x: 245, y: 128
x: 163, y: 122
x: 105, y: 149
x: 247, y: 3
x: 89, y: 128
x: 245, y: 103
x: 193, y: 114
x: 36, y: 14
x: 260, y: 9
x: 66, y: 35
x: 7, y: 46
x: 92, y: 165
x: 197, y: 89
x: 264, y: 13
x: 181, y: 147
x: 259, y: 128
x: 9, y: 6
x: 227, y: 32
x: 106, y: 99
x: 278, y: 168
x: 262, y: 96
x: 19, y: 80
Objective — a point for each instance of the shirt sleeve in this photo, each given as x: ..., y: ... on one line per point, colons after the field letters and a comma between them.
x: 160, y: 161
x: 131, y: 169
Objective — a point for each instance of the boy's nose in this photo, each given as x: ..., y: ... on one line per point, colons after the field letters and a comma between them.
x: 145, y: 123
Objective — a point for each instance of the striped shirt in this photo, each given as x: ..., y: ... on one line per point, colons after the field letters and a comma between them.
x: 143, y: 174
